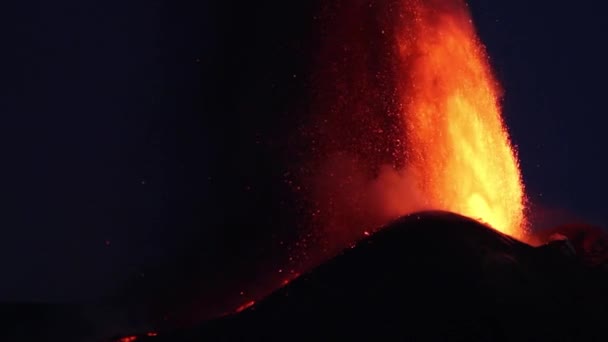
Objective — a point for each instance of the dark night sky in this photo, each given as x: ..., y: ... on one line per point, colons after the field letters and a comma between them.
x: 145, y: 124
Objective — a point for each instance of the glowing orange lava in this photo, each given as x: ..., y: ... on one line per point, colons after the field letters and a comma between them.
x: 245, y: 306
x: 128, y: 339
x: 458, y: 146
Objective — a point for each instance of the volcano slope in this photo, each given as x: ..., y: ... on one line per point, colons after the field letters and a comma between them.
x: 429, y: 276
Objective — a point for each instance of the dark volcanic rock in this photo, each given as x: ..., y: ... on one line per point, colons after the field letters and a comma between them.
x: 429, y: 276
x: 589, y: 242
x: 426, y: 276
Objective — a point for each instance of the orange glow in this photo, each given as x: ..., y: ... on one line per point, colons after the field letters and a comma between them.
x: 458, y: 147
x: 128, y: 339
x: 245, y: 306
x: 152, y: 334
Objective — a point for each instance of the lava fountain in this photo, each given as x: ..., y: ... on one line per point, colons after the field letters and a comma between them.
x: 407, y: 119
x: 458, y: 146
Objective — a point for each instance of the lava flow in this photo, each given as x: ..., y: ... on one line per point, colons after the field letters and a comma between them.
x: 458, y: 146
x: 408, y: 119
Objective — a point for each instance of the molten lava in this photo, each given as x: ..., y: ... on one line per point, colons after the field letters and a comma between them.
x: 245, y: 306
x: 408, y: 119
x: 458, y: 146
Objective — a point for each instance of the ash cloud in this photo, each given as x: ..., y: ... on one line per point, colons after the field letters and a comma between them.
x: 351, y: 201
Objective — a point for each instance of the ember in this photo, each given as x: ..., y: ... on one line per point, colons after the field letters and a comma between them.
x: 245, y: 306
x: 127, y: 339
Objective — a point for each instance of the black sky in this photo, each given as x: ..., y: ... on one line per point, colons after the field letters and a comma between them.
x: 138, y: 134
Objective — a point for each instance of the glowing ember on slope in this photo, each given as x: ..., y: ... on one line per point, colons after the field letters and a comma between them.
x: 128, y: 339
x: 245, y: 306
x: 459, y: 150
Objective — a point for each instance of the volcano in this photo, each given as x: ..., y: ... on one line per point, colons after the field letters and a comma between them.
x: 430, y: 276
